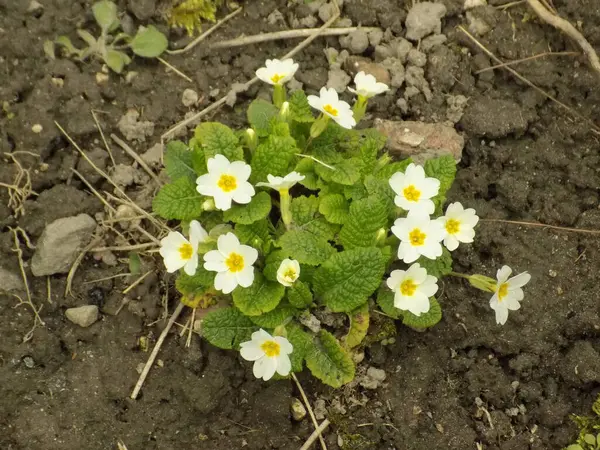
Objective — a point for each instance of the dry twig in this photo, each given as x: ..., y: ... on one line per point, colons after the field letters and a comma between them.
x: 137, y: 158
x: 543, y: 225
x: 529, y: 58
x: 103, y: 138
x: 316, y: 434
x: 175, y: 69
x: 310, y: 413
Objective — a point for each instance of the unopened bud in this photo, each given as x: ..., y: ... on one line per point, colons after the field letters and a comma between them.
x: 381, y: 236
x: 483, y: 283
x: 251, y: 139
x: 284, y: 112
x: 209, y: 205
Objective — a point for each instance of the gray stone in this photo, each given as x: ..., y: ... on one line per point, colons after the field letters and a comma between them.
x: 134, y: 129
x: 401, y: 48
x: 84, y: 316
x: 423, y: 19
x: 373, y: 378
x: 396, y: 71
x: 326, y: 11
x: 142, y: 9
x: 431, y: 42
x: 10, y: 281
x: 153, y: 156
x: 415, y: 76
x: 375, y: 37
x: 495, y: 118
x: 60, y: 244
x: 417, y: 58
x: 189, y: 98
x: 297, y: 409
x: 357, y: 41
x: 338, y: 80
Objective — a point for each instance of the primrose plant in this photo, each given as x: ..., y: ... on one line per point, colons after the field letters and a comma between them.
x: 110, y: 46
x: 301, y: 214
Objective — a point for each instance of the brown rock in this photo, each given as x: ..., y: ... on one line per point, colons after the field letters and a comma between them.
x: 355, y: 64
x: 420, y: 141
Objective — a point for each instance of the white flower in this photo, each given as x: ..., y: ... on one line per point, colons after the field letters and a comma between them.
x: 367, y: 85
x: 458, y: 224
x: 233, y: 262
x: 277, y: 72
x: 508, y: 293
x: 412, y: 289
x: 269, y: 353
x: 330, y: 105
x: 414, y: 190
x: 178, y: 252
x: 282, y: 183
x: 288, y: 272
x: 226, y: 181
x: 418, y: 235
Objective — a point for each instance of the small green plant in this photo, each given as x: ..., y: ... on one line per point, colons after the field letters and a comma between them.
x: 189, y: 14
x: 300, y: 215
x: 589, y: 430
x: 111, y: 45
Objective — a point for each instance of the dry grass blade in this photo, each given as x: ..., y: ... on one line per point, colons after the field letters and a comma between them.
x: 76, y: 264
x: 103, y: 138
x: 310, y: 413
x: 127, y: 149
x: 138, y: 281
x: 175, y: 69
x: 316, y: 434
x: 529, y: 58
x: 543, y: 225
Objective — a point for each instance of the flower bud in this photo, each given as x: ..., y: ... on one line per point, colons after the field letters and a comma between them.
x: 284, y: 112
x: 208, y: 205
x: 251, y: 138
x: 482, y: 283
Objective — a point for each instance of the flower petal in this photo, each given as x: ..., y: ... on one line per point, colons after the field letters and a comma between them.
x: 245, y: 277
x: 286, y: 346
x: 284, y: 365
x: 197, y: 234
x: 519, y: 280
x: 222, y: 200
x: 217, y: 164
x: 269, y: 368
x: 250, y: 351
x: 501, y: 315
x: 191, y: 266
x: 228, y: 243
x: 240, y: 170
x: 225, y: 282
x: 503, y: 274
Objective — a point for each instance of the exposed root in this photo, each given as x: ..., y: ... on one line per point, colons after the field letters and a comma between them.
x: 20, y: 190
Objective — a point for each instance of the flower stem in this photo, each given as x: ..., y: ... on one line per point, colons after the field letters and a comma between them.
x: 459, y: 275
x: 319, y: 126
x: 284, y: 205
x: 279, y: 95
x: 360, y: 108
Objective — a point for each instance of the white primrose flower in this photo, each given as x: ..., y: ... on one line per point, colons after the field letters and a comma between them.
x: 226, y: 182
x: 414, y: 190
x: 412, y: 289
x: 288, y: 272
x: 277, y: 72
x: 367, y: 86
x: 233, y: 263
x: 508, y: 293
x: 330, y: 105
x: 282, y: 183
x: 418, y: 235
x: 269, y: 353
x: 458, y: 224
x: 178, y: 252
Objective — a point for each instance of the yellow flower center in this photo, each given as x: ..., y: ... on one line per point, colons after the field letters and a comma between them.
x: 277, y: 78
x: 185, y: 251
x: 235, y: 262
x: 408, y: 288
x: 227, y: 183
x: 331, y: 110
x: 417, y: 237
x: 502, y: 291
x: 271, y: 348
x: 411, y: 193
x: 289, y: 274
x: 452, y: 226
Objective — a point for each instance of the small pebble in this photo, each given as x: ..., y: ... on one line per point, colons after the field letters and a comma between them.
x: 37, y: 128
x: 189, y: 98
x: 84, y: 316
x: 101, y: 78
x: 29, y: 362
x: 552, y: 273
x: 297, y: 409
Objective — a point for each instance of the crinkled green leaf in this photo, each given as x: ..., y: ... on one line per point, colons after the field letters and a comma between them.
x: 178, y: 161
x: 178, y: 200
x: 359, y: 325
x: 263, y: 296
x: 347, y: 279
x: 386, y: 172
x: 300, y: 110
x: 258, y: 208
x: 306, y: 167
x: 302, y: 343
x: 272, y: 263
x: 216, y: 138
x: 299, y: 295
x: 227, y: 328
x: 199, y: 282
x: 105, y: 13
x: 346, y: 172
x: 274, y: 156
x: 149, y: 42
x: 334, y: 207
x: 306, y: 247
x: 275, y: 317
x: 304, y: 209
x: 116, y: 60
x: 385, y: 300
x: 329, y: 362
x: 260, y: 113
x: 197, y: 157
x: 382, y: 189
x: 425, y: 320
x: 437, y: 267
x: 321, y: 228
x: 365, y: 219
x: 370, y: 146
x: 256, y: 235
x: 355, y: 192
x: 442, y: 168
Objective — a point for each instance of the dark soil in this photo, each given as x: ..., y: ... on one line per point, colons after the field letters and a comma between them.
x: 525, y: 159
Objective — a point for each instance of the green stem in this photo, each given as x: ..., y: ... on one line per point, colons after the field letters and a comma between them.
x: 279, y: 95
x: 360, y: 108
x: 284, y: 205
x: 459, y: 275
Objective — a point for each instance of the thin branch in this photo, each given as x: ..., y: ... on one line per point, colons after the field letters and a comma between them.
x: 316, y: 434
x: 137, y: 158
x: 529, y: 58
x: 310, y: 413
x: 103, y: 138
x: 124, y: 248
x: 175, y: 69
x: 138, y: 281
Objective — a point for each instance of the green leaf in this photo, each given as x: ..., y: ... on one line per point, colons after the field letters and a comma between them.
x: 105, y: 13
x: 299, y: 295
x: 272, y: 263
x: 589, y: 439
x: 321, y: 228
x: 385, y: 300
x: 258, y: 208
x: 260, y: 113
x: 442, y: 168
x: 178, y: 200
x: 274, y: 156
x: 425, y: 320
x: 197, y: 157
x: 227, y: 328
x: 178, y: 161
x: 304, y: 209
x: 329, y: 362
x: 135, y: 263
x: 359, y: 324
x: 88, y: 37
x: 149, y: 42
x: 276, y: 317
x: 306, y: 247
x: 334, y: 207
x: 382, y: 189
x: 263, y: 296
x: 306, y: 167
x: 574, y: 447
x: 300, y: 110
x: 116, y: 60
x: 346, y: 172
x: 216, y: 138
x: 386, y: 172
x: 65, y: 42
x: 370, y: 146
x: 437, y: 267
x: 366, y: 218
x: 256, y: 235
x: 302, y: 343
x: 347, y: 279
x: 199, y: 282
